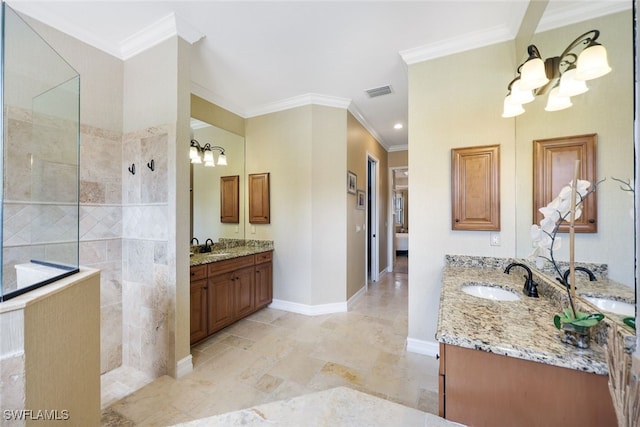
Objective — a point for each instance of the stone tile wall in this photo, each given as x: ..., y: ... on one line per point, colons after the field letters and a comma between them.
x: 148, y: 292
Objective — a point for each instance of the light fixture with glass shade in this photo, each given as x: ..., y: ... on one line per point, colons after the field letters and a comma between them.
x: 561, y: 76
x: 204, y: 153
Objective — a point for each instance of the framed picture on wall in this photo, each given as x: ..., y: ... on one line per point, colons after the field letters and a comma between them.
x: 360, y: 199
x: 352, y: 181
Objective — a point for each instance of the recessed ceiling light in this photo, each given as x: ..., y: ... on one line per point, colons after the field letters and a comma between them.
x: 398, y: 126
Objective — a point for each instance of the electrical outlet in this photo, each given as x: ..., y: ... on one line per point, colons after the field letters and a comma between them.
x: 495, y: 239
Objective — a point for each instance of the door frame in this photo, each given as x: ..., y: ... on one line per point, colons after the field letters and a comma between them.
x: 373, y: 231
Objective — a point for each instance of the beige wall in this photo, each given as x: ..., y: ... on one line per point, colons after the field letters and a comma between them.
x: 398, y: 158
x: 202, y: 109
x: 303, y: 149
x: 361, y: 144
x: 438, y: 121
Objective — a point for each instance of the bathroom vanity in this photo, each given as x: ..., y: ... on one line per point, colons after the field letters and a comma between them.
x: 502, y: 362
x: 228, y: 284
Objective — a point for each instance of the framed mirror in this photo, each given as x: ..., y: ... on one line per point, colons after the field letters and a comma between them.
x: 607, y: 109
x: 207, y: 220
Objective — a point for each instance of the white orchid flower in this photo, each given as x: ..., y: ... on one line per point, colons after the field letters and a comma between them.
x: 548, y: 224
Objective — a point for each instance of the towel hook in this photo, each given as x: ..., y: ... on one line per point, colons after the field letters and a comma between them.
x: 151, y: 165
x: 132, y: 168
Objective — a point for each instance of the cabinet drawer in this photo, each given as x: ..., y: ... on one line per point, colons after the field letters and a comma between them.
x: 198, y: 272
x: 264, y: 257
x: 230, y: 265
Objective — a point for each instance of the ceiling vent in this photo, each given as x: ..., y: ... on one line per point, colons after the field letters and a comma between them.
x: 379, y: 91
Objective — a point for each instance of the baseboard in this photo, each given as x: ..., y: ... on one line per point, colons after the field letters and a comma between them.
x: 428, y: 348
x: 184, y: 366
x: 309, y: 310
x: 355, y: 297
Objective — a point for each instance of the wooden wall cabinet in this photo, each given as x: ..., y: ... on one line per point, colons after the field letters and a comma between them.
x: 475, y: 188
x: 226, y: 291
x: 553, y: 168
x: 230, y: 199
x: 259, y: 204
x: 486, y: 389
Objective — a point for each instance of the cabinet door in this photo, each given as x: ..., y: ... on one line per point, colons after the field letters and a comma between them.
x: 475, y: 188
x: 264, y: 284
x: 259, y: 207
x: 553, y: 168
x: 198, y: 310
x: 230, y: 199
x: 244, y: 285
x: 220, y: 299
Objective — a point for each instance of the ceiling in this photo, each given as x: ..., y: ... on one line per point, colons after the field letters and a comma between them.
x: 263, y: 56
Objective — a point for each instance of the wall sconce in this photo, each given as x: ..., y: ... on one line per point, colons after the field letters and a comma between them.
x: 207, y: 154
x: 562, y: 76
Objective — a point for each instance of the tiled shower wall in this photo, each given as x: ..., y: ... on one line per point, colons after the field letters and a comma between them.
x: 148, y: 291
x: 100, y: 230
x: 124, y: 233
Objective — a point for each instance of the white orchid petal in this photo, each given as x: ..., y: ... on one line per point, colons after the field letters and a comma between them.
x: 547, y: 224
x: 540, y: 263
x: 583, y: 187
x: 578, y: 213
x: 565, y: 193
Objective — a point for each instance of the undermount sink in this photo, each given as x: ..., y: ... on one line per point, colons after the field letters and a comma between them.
x: 612, y: 306
x: 490, y: 292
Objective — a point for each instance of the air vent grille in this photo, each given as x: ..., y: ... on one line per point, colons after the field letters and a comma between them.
x: 379, y: 91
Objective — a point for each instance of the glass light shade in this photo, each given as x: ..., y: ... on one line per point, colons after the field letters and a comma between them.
x: 222, y: 160
x: 592, y: 63
x: 208, y: 156
x: 533, y: 74
x: 209, y: 164
x: 519, y: 95
x: 570, y: 86
x: 193, y: 152
x: 196, y: 160
x: 510, y: 109
x: 556, y: 102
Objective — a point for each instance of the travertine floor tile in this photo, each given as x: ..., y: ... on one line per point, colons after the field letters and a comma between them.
x: 274, y: 355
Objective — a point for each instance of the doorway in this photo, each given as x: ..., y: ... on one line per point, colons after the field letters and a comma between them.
x: 372, y: 219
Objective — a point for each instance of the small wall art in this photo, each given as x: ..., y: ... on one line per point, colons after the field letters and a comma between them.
x: 360, y: 199
x: 352, y: 181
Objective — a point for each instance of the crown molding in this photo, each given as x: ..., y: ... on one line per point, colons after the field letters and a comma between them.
x: 360, y: 118
x: 161, y: 30
x: 458, y: 44
x: 393, y: 148
x: 216, y: 99
x: 299, y: 101
x: 569, y: 14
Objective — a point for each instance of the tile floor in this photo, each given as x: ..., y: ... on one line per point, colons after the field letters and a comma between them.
x: 274, y: 355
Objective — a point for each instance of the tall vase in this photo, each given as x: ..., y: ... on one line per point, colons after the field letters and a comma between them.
x: 578, y: 336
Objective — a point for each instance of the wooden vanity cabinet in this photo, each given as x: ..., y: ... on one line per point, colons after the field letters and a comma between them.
x: 485, y: 389
x: 231, y: 290
x: 264, y: 279
x: 198, y: 303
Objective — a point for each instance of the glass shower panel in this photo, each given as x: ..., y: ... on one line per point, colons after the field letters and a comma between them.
x: 40, y: 147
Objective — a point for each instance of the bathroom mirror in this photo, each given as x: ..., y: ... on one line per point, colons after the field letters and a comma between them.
x: 607, y: 110
x: 205, y: 184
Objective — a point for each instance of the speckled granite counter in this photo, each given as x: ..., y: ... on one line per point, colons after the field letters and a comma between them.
x: 522, y: 329
x: 229, y: 248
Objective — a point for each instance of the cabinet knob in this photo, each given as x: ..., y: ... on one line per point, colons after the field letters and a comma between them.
x: 591, y: 220
x: 205, y: 287
x: 457, y: 220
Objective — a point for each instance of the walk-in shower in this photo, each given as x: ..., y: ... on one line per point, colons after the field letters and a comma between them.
x: 40, y: 160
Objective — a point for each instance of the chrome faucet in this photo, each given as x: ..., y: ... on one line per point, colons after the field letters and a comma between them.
x: 565, y: 276
x: 530, y: 288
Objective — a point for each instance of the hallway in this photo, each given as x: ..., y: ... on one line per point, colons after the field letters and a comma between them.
x: 274, y: 355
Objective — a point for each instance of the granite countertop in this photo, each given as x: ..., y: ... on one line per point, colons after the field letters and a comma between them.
x: 523, y: 329
x: 227, y: 249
